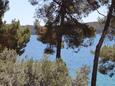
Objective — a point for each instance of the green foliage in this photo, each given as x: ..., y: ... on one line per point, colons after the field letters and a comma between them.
x: 108, y: 53
x: 9, y: 55
x: 32, y: 73
x: 4, y: 6
x: 13, y: 36
x: 73, y: 37
x: 62, y: 22
x: 36, y: 73
x: 55, y: 73
x: 7, y: 65
x: 107, y: 61
x: 82, y: 78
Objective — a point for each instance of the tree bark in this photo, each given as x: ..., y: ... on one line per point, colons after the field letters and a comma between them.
x: 60, y: 31
x: 0, y: 22
x: 58, y: 54
x: 98, y: 47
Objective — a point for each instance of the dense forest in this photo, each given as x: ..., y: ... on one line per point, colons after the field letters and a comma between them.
x: 63, y: 29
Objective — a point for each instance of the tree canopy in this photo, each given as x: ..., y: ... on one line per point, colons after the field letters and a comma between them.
x: 63, y: 21
x: 13, y: 36
x: 4, y: 6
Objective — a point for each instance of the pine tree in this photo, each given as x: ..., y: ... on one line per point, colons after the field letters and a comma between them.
x: 98, y: 47
x: 62, y: 18
x: 13, y: 36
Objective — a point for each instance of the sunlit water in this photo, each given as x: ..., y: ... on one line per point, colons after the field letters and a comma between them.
x: 73, y: 60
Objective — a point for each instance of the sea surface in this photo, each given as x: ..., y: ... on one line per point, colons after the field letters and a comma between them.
x: 73, y: 60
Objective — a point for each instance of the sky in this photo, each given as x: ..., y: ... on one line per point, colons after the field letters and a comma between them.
x: 22, y: 10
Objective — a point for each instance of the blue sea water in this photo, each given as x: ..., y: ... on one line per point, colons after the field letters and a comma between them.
x: 35, y: 49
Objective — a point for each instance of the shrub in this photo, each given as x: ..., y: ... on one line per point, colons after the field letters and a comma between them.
x: 36, y: 73
x: 108, y: 53
x: 13, y: 36
x: 7, y: 67
x: 8, y: 55
x: 107, y: 61
x: 33, y: 73
x: 82, y: 78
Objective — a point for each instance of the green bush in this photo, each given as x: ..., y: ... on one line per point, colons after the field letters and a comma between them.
x: 107, y: 61
x: 82, y: 78
x: 108, y: 53
x: 13, y: 36
x: 37, y: 73
x: 7, y: 67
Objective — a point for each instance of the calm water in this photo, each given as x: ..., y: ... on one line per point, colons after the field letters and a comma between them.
x: 73, y: 60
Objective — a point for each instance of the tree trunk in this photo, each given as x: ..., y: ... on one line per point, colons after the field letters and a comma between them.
x: 0, y: 22
x: 60, y: 31
x: 58, y: 54
x: 98, y: 47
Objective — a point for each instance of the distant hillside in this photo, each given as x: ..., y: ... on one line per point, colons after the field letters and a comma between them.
x: 31, y: 28
x: 99, y: 27
x: 96, y: 25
